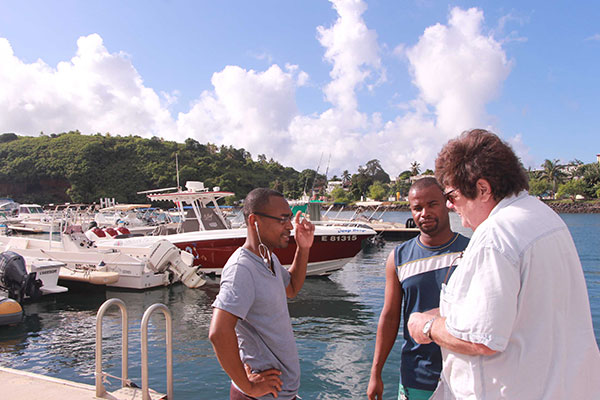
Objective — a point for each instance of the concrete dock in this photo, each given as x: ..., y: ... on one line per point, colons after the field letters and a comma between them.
x: 25, y: 385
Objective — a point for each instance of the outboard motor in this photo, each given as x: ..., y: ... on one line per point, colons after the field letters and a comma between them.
x: 15, y: 279
x: 410, y: 223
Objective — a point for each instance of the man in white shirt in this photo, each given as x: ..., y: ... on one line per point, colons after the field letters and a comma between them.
x: 514, y: 320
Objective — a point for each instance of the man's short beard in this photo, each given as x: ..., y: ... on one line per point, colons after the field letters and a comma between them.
x: 428, y: 231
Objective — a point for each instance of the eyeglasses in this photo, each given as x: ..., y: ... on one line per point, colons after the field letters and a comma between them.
x: 449, y: 198
x: 282, y: 220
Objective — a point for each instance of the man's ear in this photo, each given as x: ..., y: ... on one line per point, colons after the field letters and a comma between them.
x: 484, y: 189
x: 251, y: 220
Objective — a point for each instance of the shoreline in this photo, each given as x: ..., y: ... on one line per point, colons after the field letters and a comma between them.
x: 557, y: 206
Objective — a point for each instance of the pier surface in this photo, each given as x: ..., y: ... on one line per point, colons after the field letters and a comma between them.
x: 25, y: 385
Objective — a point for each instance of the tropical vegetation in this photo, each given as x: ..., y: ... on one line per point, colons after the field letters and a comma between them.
x: 574, y: 180
x: 71, y: 167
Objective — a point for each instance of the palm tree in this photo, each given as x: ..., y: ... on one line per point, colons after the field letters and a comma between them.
x: 554, y: 173
x: 346, y: 178
x: 415, y: 168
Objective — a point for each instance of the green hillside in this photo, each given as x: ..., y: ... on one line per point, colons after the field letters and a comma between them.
x: 71, y: 167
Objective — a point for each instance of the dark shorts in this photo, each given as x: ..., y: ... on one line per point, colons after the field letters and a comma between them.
x: 235, y: 394
x: 406, y: 393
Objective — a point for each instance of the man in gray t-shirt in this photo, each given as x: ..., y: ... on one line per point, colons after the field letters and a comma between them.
x: 251, y: 331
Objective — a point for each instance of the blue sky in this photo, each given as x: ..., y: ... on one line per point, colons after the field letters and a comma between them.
x: 303, y: 81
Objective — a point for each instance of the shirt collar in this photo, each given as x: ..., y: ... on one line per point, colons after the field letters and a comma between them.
x: 505, y: 202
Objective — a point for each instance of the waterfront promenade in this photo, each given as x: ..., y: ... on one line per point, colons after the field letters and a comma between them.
x: 25, y: 385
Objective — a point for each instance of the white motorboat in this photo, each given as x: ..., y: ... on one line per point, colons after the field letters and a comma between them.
x: 136, y: 219
x: 22, y: 278
x: 31, y: 218
x: 366, y: 213
x: 209, y: 239
x: 158, y: 264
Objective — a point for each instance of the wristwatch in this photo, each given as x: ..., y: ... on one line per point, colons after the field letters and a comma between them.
x: 427, y: 327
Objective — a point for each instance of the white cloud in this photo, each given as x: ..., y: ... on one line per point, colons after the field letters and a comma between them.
x: 352, y: 49
x: 594, y: 37
x: 94, y: 92
x: 522, y: 151
x: 457, y: 69
x: 246, y: 109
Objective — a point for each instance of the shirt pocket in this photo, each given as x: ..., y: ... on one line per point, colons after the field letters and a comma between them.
x: 447, y: 298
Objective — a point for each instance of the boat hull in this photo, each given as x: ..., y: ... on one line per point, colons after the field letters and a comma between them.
x: 332, y: 247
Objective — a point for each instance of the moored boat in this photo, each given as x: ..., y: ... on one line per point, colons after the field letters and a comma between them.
x: 22, y: 279
x: 158, y: 264
x: 213, y: 241
x: 366, y: 214
x: 32, y: 219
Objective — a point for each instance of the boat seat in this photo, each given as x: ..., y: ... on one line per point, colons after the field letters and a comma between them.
x: 211, y: 220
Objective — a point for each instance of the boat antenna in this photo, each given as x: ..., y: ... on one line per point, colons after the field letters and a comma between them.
x: 177, y: 169
x: 305, y: 184
x: 327, y: 169
x: 312, y: 189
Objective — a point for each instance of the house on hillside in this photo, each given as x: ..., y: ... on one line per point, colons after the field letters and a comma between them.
x: 331, y: 185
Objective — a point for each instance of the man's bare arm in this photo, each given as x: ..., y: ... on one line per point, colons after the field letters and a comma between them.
x: 387, y: 329
x: 224, y: 340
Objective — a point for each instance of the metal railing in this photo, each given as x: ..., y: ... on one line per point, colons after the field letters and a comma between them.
x: 169, y: 342
x: 100, y: 389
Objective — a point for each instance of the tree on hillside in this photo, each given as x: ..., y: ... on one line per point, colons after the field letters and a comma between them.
x: 415, y: 168
x: 360, y: 185
x: 346, y: 178
x: 590, y: 174
x: 572, y: 189
x: 8, y: 137
x: 553, y: 172
x: 339, y: 195
x: 378, y: 191
x: 539, y: 187
x: 404, y: 176
x: 374, y: 171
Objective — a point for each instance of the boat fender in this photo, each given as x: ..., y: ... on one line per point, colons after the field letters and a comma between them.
x: 11, y: 312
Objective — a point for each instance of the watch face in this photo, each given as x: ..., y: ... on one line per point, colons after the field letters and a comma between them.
x: 427, y: 327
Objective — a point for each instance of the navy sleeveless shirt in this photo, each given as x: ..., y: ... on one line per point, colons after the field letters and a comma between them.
x: 421, y: 271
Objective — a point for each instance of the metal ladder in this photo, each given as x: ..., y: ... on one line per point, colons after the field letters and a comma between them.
x: 100, y: 389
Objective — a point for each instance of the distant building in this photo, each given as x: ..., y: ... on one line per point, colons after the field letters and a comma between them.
x: 598, y: 158
x: 333, y: 185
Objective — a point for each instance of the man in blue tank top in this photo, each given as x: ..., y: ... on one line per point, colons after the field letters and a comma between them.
x: 415, y: 271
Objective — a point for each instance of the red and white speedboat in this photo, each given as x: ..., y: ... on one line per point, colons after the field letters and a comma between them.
x: 212, y: 241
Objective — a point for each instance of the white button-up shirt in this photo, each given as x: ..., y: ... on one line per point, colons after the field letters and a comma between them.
x: 520, y: 290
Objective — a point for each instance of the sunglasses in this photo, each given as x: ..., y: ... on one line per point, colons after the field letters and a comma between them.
x: 282, y: 220
x: 449, y: 198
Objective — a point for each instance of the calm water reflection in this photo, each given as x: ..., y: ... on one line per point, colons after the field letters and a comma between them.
x: 335, y: 320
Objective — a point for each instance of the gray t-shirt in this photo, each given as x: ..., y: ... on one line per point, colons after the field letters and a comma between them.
x: 251, y: 292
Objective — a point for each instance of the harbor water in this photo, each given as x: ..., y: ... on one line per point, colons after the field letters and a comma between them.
x: 334, y: 320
